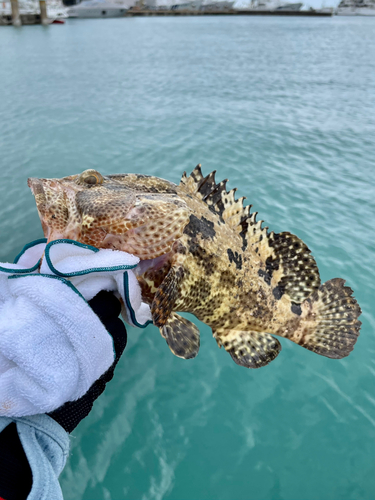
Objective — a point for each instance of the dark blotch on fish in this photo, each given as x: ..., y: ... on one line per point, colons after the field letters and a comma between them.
x: 296, y: 309
x: 201, y: 226
x: 277, y: 293
x: 265, y: 276
x: 235, y: 257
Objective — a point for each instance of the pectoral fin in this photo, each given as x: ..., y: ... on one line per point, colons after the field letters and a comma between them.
x: 249, y: 349
x: 166, y: 295
x: 182, y: 336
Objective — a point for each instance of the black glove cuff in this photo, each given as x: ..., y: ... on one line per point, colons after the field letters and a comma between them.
x: 107, y: 307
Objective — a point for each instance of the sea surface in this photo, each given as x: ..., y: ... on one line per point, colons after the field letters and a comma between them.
x: 285, y: 109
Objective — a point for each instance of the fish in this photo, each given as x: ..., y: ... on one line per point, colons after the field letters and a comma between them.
x: 203, y: 251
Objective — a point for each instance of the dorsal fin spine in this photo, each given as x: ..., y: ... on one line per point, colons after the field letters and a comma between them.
x: 209, y: 177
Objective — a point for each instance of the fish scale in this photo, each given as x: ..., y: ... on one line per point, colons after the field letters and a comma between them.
x: 203, y: 252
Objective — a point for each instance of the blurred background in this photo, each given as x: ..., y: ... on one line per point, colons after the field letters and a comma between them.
x: 282, y: 106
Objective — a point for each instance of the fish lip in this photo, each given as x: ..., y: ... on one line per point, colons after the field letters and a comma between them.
x: 34, y: 183
x: 37, y: 188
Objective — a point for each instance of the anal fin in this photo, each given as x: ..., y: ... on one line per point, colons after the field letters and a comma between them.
x: 249, y: 349
x: 182, y: 336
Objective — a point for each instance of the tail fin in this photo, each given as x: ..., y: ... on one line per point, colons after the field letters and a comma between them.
x: 329, y: 324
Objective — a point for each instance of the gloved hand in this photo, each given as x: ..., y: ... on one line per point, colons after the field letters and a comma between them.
x: 52, y: 346
x: 60, y: 341
x: 107, y: 307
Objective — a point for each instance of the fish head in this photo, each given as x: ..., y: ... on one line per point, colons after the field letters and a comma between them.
x: 109, y: 212
x: 73, y: 206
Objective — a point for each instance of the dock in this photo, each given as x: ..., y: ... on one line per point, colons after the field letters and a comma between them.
x: 17, y: 19
x: 227, y: 12
x: 24, y: 19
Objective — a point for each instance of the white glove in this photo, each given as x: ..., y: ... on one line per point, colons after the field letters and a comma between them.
x: 52, y: 346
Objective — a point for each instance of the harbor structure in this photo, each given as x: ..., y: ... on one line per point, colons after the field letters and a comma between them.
x: 27, y: 12
x: 356, y: 8
x: 43, y: 12
x: 16, y: 20
x: 17, y: 13
x: 221, y: 7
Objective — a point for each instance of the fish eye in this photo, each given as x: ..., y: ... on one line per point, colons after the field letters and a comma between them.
x: 90, y: 177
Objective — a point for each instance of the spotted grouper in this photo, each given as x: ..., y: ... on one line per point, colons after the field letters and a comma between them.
x: 203, y: 252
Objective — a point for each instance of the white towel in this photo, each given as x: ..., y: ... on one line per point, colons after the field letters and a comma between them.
x: 52, y: 346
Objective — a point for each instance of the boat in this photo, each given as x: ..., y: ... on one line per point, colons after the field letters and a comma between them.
x: 219, y: 5
x: 56, y: 9
x: 191, y: 5
x: 275, y: 5
x: 289, y: 6
x: 356, y: 8
x: 97, y: 9
x: 200, y: 5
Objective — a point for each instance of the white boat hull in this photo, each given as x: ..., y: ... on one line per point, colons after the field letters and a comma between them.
x: 192, y: 5
x: 290, y: 6
x: 275, y: 5
x: 355, y: 11
x: 219, y: 5
x: 97, y: 10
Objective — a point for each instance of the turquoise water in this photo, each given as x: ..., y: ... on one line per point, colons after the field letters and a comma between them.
x: 283, y: 107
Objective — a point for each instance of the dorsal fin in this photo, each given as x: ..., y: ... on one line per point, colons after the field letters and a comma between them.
x: 292, y: 267
x: 191, y: 182
x: 224, y: 203
x: 289, y: 267
x: 254, y: 235
x: 219, y: 200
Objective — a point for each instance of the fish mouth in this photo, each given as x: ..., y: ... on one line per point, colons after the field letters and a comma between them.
x: 35, y: 184
x: 46, y: 193
x: 37, y: 188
